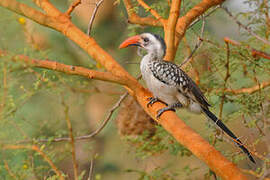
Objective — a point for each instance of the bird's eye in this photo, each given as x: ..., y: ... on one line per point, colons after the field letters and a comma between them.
x: 145, y: 39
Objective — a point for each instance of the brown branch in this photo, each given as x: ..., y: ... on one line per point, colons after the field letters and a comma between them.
x: 73, y: 6
x: 253, y: 173
x: 254, y: 52
x: 69, y: 69
x: 267, y: 18
x: 204, y: 16
x: 88, y: 136
x: 49, y: 8
x: 9, y: 170
x: 152, y: 11
x: 72, y: 143
x: 91, y: 169
x: 227, y: 65
x: 197, y: 45
x: 184, y: 22
x: 97, y: 4
x: 169, y: 30
x: 245, y: 27
x: 133, y: 18
x: 183, y: 65
x: 37, y: 149
x: 5, y: 91
x: 249, y: 90
x: 169, y: 120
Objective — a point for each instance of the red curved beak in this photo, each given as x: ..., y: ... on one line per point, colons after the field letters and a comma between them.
x: 132, y: 41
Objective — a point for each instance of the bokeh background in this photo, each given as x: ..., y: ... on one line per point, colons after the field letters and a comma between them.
x: 131, y: 146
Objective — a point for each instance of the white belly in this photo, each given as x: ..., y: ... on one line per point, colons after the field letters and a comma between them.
x: 162, y: 91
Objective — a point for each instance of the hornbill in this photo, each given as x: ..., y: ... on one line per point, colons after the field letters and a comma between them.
x: 170, y: 84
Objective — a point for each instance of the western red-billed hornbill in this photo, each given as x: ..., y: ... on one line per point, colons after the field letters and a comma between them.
x: 170, y: 84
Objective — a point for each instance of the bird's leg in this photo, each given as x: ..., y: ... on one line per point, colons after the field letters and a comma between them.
x: 153, y: 100
x: 171, y: 107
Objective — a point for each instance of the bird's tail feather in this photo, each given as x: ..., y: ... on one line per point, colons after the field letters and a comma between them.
x: 220, y: 124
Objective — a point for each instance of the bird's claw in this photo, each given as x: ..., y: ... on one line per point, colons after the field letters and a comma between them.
x: 152, y: 100
x: 161, y: 111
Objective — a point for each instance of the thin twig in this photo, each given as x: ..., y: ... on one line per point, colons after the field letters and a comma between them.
x: 37, y: 149
x: 254, y: 52
x: 198, y: 44
x: 93, y: 16
x: 205, y: 16
x: 73, y: 6
x: 91, y: 169
x: 245, y: 27
x: 152, y: 11
x: 73, y: 149
x: 227, y: 65
x: 9, y: 170
x: 88, y: 136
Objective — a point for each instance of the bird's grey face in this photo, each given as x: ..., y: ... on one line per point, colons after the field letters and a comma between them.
x: 152, y: 43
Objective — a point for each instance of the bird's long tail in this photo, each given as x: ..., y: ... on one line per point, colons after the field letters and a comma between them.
x: 220, y: 124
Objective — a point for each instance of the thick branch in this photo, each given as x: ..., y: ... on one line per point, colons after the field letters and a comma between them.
x: 50, y: 9
x: 170, y: 29
x: 29, y: 12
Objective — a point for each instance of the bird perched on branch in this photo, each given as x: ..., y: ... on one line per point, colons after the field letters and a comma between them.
x: 170, y: 84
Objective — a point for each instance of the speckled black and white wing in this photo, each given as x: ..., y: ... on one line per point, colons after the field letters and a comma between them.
x: 172, y: 75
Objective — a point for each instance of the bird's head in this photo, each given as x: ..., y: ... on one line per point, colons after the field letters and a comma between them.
x: 152, y: 43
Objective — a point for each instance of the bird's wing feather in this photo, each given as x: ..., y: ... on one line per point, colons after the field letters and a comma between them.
x: 172, y: 75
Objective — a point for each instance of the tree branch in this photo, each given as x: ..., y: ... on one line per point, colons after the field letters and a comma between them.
x: 72, y: 143
x: 73, y: 6
x: 245, y: 27
x: 184, y: 22
x: 170, y: 29
x: 88, y: 136
x: 69, y: 69
x: 93, y: 17
x: 254, y: 52
x: 37, y: 149
x: 152, y: 11
x: 48, y: 7
x: 249, y: 90
x: 133, y: 18
x: 9, y: 170
x: 197, y: 45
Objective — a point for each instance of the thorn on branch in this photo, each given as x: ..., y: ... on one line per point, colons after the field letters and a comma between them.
x: 97, y: 5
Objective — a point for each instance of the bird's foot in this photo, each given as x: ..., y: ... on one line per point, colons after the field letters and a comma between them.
x: 152, y: 100
x: 161, y: 111
x: 169, y: 108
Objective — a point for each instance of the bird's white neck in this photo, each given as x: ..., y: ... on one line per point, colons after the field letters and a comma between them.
x: 154, y: 56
